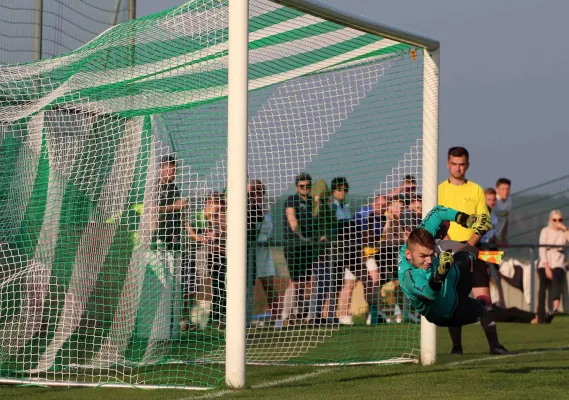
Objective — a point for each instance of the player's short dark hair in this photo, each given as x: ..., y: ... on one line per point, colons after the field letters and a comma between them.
x: 458, y: 151
x: 168, y: 159
x: 421, y: 237
x: 490, y: 191
x: 339, y: 181
x: 503, y: 181
x: 303, y: 177
x: 410, y: 178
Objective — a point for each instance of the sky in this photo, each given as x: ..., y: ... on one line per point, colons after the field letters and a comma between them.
x: 504, y: 80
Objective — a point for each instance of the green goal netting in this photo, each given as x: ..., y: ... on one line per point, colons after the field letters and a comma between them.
x: 113, y: 200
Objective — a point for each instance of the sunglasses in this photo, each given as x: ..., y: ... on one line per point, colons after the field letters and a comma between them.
x: 558, y: 220
x: 304, y: 186
x: 345, y: 190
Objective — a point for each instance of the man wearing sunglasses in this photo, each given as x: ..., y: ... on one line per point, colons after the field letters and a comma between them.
x: 299, y: 251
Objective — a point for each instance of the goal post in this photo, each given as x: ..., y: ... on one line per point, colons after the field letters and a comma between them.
x: 238, y: 97
x: 222, y: 184
x: 430, y: 174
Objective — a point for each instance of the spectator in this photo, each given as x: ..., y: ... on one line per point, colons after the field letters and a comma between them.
x: 416, y: 205
x: 324, y: 221
x: 406, y: 190
x: 195, y: 226
x: 266, y: 270
x: 372, y: 213
x: 371, y: 218
x: 167, y: 236
x: 341, y: 255
x: 326, y: 225
x: 340, y: 205
x: 551, y: 267
x: 207, y: 236
x: 300, y: 236
x: 490, y: 195
x: 466, y: 196
x: 255, y: 215
x: 170, y: 206
x: 216, y: 239
x: 502, y: 211
x: 393, y: 235
x: 414, y: 213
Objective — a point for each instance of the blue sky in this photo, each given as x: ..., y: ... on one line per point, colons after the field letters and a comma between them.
x: 504, y: 79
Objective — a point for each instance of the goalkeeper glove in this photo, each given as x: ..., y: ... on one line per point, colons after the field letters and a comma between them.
x: 479, y: 223
x: 482, y: 224
x: 445, y: 262
x: 482, y: 229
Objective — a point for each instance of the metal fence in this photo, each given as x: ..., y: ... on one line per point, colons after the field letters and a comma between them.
x: 531, y: 208
x: 530, y: 253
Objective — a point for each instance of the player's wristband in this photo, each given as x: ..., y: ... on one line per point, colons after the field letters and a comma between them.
x: 462, y: 219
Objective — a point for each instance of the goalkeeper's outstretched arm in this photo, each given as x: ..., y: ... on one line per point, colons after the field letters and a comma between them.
x: 479, y: 223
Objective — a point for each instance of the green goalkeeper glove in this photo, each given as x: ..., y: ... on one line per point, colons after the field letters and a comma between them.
x: 479, y: 223
x: 445, y: 262
x: 482, y: 227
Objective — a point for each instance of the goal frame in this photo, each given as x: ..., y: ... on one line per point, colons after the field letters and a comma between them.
x: 235, y: 365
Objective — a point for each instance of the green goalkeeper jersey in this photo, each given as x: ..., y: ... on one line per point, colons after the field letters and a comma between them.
x: 436, y: 302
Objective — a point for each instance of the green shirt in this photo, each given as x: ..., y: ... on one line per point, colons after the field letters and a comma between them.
x: 435, y: 302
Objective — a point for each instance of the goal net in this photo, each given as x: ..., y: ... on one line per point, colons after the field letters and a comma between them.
x: 113, y: 200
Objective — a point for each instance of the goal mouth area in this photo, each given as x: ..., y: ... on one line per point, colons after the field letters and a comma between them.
x: 116, y: 201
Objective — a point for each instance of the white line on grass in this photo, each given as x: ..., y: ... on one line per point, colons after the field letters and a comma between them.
x: 298, y: 378
x: 265, y: 385
x: 530, y: 353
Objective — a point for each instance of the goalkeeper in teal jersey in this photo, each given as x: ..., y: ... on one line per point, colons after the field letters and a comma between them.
x: 439, y: 286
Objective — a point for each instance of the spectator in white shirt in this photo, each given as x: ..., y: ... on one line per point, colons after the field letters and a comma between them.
x: 551, y: 267
x: 502, y: 211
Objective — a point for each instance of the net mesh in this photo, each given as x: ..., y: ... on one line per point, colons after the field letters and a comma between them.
x: 113, y: 207
x: 64, y: 26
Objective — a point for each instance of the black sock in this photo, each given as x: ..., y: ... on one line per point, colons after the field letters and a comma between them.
x: 489, y: 326
x: 455, y: 335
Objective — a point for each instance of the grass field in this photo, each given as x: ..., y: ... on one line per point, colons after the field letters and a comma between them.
x: 539, y: 370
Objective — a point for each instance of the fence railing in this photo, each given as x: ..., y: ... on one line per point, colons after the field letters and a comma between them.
x: 534, y: 256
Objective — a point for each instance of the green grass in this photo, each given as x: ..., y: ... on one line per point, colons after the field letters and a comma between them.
x: 541, y: 370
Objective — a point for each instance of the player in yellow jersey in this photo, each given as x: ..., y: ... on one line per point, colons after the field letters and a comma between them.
x: 466, y: 196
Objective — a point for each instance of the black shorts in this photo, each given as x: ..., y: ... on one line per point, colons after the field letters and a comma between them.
x: 468, y: 310
x: 299, y: 260
x: 480, y: 276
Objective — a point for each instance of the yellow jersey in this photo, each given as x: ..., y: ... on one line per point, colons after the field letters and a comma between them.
x: 468, y: 198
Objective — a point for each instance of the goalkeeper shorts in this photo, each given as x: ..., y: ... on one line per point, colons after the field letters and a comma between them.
x: 468, y: 310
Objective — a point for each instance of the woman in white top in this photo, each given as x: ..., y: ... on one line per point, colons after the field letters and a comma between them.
x: 551, y: 265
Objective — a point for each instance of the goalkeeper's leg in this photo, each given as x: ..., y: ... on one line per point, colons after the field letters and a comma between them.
x: 481, y: 290
x: 468, y: 310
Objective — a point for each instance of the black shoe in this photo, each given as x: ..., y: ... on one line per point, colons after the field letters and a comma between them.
x: 501, y: 351
x: 549, y: 317
x: 456, y: 350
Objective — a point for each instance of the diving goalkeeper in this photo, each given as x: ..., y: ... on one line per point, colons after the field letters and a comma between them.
x: 439, y: 286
